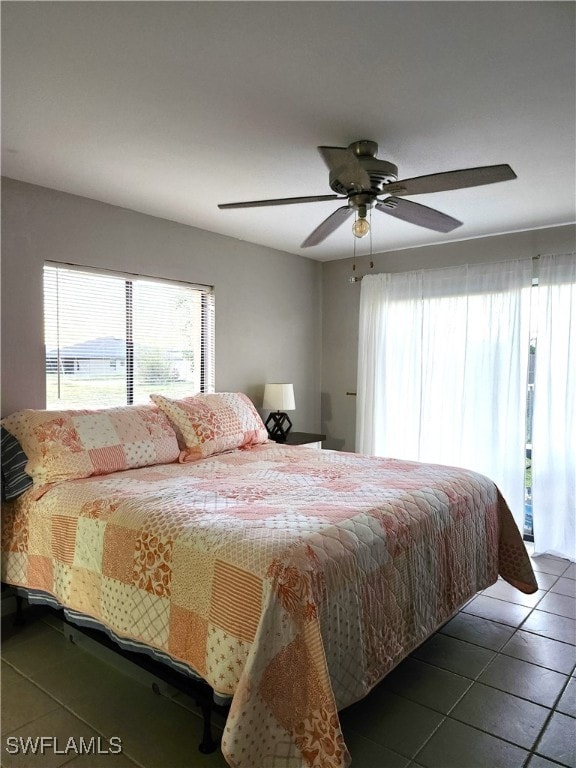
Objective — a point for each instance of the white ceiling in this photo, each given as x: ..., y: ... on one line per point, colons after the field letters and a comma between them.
x: 170, y: 108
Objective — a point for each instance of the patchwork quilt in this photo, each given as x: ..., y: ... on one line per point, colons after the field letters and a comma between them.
x: 292, y: 578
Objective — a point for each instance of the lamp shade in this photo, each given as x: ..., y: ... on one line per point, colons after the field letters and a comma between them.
x: 279, y: 397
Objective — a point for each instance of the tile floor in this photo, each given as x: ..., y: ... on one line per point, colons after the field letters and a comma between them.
x: 494, y: 688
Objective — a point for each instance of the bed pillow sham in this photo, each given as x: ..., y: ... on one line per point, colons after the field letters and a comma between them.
x: 72, y: 444
x: 207, y: 424
x: 15, y: 479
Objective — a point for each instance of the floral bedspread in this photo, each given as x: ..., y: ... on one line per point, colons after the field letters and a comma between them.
x: 291, y: 577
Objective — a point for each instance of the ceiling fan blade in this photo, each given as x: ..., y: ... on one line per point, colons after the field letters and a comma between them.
x: 414, y: 213
x: 443, y: 182
x: 344, y: 165
x: 281, y: 201
x: 327, y: 226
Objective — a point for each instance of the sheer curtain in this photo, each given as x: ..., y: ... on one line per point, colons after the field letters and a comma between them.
x: 554, y: 419
x: 442, y: 366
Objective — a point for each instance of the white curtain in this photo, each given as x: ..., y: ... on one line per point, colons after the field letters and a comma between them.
x: 442, y: 366
x: 554, y: 419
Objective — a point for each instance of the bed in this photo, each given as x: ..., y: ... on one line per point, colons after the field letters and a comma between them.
x: 290, y: 579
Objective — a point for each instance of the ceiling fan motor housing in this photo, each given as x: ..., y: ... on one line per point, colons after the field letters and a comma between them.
x: 381, y: 172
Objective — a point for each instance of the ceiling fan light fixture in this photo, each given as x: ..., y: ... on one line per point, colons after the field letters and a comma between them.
x: 361, y: 227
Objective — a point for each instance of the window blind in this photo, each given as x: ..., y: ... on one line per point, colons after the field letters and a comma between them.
x: 113, y: 339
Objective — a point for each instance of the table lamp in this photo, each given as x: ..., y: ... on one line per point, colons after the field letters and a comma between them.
x: 278, y: 398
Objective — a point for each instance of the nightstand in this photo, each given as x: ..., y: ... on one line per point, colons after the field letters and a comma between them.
x: 311, y: 439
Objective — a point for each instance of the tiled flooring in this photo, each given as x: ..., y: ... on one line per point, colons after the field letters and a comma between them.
x: 494, y: 688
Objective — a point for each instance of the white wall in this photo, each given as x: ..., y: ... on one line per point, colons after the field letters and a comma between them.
x: 341, y: 301
x: 268, y: 303
x: 279, y: 317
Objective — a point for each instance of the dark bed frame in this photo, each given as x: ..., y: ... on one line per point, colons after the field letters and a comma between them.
x: 198, y: 690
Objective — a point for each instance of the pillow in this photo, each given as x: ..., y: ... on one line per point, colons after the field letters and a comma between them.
x: 15, y: 479
x: 68, y: 445
x: 207, y: 424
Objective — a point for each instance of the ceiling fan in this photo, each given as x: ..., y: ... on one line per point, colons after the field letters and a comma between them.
x: 366, y: 182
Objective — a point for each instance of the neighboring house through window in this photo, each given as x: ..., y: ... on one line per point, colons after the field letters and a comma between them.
x: 113, y: 339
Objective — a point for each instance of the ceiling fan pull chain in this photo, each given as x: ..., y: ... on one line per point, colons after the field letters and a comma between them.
x: 371, y: 259
x: 353, y: 278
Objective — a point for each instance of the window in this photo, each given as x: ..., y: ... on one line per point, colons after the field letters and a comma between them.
x: 528, y: 520
x: 475, y: 366
x: 113, y: 339
x: 443, y: 355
